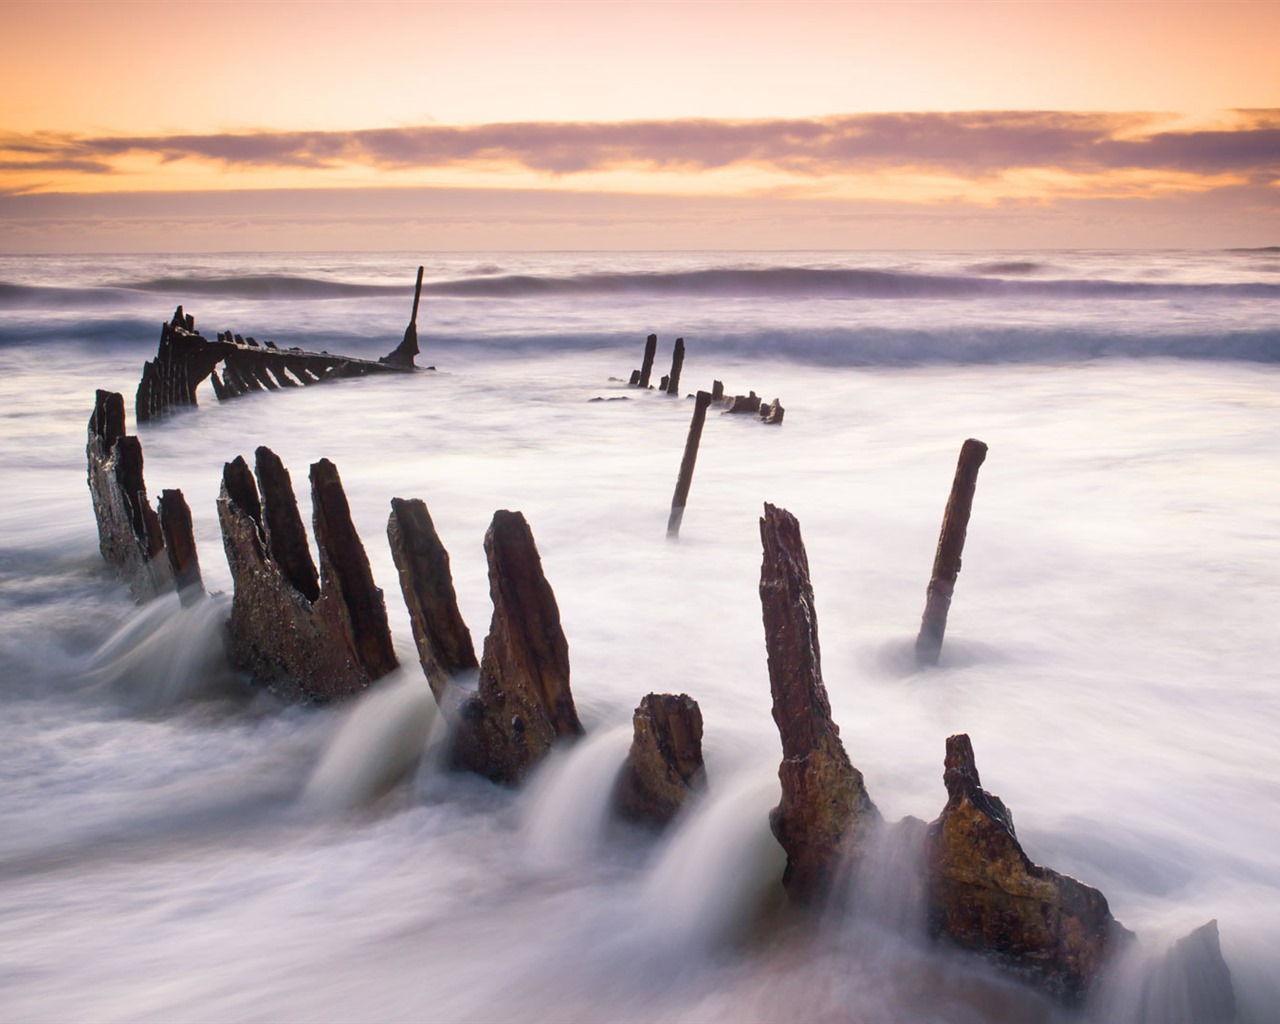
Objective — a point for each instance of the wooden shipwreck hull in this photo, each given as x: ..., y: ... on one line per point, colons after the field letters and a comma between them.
x: 236, y: 365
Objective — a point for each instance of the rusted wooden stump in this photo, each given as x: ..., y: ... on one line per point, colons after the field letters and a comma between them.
x: 772, y: 412
x: 664, y: 765
x: 825, y: 814
x: 986, y: 895
x: 646, y: 367
x: 685, y: 479
x: 523, y: 704
x: 443, y: 640
x: 180, y: 543
x: 946, y: 560
x: 677, y: 364
x: 304, y: 641
x: 129, y: 533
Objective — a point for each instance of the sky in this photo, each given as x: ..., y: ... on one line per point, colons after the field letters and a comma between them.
x: 226, y: 126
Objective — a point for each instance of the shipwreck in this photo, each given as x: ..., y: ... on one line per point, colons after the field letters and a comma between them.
x: 235, y: 365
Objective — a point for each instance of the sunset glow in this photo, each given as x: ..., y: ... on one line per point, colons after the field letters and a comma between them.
x: 764, y: 105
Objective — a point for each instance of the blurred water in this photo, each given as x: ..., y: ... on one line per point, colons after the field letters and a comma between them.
x: 177, y: 847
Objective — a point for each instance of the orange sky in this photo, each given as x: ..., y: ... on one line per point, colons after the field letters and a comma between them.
x: 626, y: 112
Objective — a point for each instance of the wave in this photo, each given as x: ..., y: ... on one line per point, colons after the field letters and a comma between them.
x: 888, y: 347
x: 804, y: 282
x: 989, y: 280
x: 261, y: 286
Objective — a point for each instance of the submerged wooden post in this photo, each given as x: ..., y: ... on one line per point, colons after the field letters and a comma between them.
x: 681, y: 497
x: 677, y: 363
x: 646, y: 368
x: 946, y: 561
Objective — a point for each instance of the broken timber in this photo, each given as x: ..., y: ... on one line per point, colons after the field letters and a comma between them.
x: 685, y: 480
x: 523, y: 704
x: 185, y: 358
x: 946, y: 560
x: 664, y: 766
x: 307, y: 635
x: 129, y: 533
x: 825, y: 814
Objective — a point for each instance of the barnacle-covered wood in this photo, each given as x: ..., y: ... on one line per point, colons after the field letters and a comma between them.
x: 825, y: 815
x: 985, y: 894
x: 323, y: 649
x: 664, y: 765
x: 523, y: 704
x: 444, y: 642
x: 129, y: 533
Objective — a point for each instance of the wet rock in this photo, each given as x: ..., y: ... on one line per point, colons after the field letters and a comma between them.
x: 524, y: 703
x: 772, y: 412
x: 129, y: 533
x: 825, y: 815
x: 986, y: 895
x: 323, y: 648
x: 444, y: 642
x: 749, y: 403
x: 664, y: 764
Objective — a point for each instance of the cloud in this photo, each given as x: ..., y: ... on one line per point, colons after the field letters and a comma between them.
x: 966, y: 144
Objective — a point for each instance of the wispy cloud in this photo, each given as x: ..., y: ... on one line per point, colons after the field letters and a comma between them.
x: 972, y: 144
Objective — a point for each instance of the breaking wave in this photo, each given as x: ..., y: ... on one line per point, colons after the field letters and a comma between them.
x: 802, y: 282
x: 880, y: 346
x: 1006, y: 280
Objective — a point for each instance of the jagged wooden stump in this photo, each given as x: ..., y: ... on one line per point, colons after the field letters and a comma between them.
x: 322, y: 647
x: 986, y: 895
x: 444, y: 642
x: 664, y: 764
x: 523, y: 704
x: 129, y: 533
x: 825, y: 815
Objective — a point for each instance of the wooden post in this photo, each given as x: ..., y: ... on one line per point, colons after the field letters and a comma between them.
x: 180, y: 543
x: 677, y: 362
x: 683, y: 482
x: 946, y: 561
x: 646, y: 368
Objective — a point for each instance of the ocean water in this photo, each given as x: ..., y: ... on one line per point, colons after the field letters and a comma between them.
x: 175, y: 846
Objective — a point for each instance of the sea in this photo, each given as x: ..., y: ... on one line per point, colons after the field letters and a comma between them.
x: 178, y: 845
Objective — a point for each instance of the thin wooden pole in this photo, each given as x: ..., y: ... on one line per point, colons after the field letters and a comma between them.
x: 946, y: 561
x: 646, y: 368
x: 677, y: 363
x: 683, y: 482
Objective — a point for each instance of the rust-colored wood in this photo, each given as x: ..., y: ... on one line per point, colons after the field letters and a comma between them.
x: 685, y: 480
x: 946, y: 560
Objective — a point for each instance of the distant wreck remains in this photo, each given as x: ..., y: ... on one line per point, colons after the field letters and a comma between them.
x: 236, y: 365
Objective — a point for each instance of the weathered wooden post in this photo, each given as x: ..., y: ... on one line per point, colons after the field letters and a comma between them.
x: 825, y: 815
x: 180, y: 543
x: 946, y: 561
x: 677, y: 362
x: 444, y: 642
x: 646, y: 368
x: 681, y: 497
